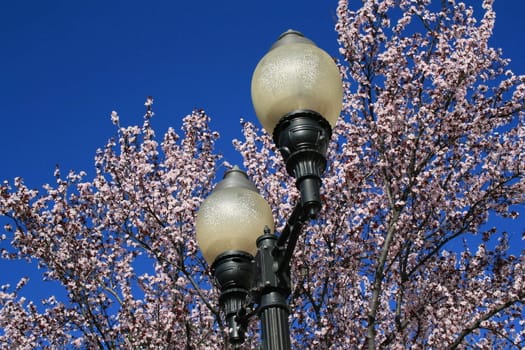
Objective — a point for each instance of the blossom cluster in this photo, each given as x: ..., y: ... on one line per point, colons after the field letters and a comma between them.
x: 430, y: 144
x: 97, y: 237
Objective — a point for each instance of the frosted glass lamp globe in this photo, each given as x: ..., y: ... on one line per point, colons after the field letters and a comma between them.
x: 296, y: 75
x: 232, y: 217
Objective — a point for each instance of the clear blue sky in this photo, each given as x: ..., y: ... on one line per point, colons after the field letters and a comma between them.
x: 65, y: 65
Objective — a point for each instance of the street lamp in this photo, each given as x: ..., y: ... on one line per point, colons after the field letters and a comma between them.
x: 228, y: 224
x: 297, y: 96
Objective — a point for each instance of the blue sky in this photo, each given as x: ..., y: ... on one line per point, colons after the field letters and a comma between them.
x: 65, y: 65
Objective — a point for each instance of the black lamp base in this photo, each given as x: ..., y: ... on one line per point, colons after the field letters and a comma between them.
x: 302, y: 138
x: 233, y: 271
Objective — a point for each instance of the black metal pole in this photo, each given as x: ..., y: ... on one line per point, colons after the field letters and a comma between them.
x: 275, y: 331
x: 274, y: 289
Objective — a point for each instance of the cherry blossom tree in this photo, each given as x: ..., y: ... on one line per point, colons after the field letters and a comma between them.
x: 91, y: 236
x: 430, y: 146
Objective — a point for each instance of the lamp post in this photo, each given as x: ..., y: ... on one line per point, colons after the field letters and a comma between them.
x: 297, y: 96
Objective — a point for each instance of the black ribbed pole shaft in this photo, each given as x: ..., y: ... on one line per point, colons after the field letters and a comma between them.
x: 274, y: 324
x: 274, y: 286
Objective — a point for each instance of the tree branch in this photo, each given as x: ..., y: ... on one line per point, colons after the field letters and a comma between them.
x: 477, y: 324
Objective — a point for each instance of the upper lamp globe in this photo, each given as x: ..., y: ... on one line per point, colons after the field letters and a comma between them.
x: 296, y: 75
